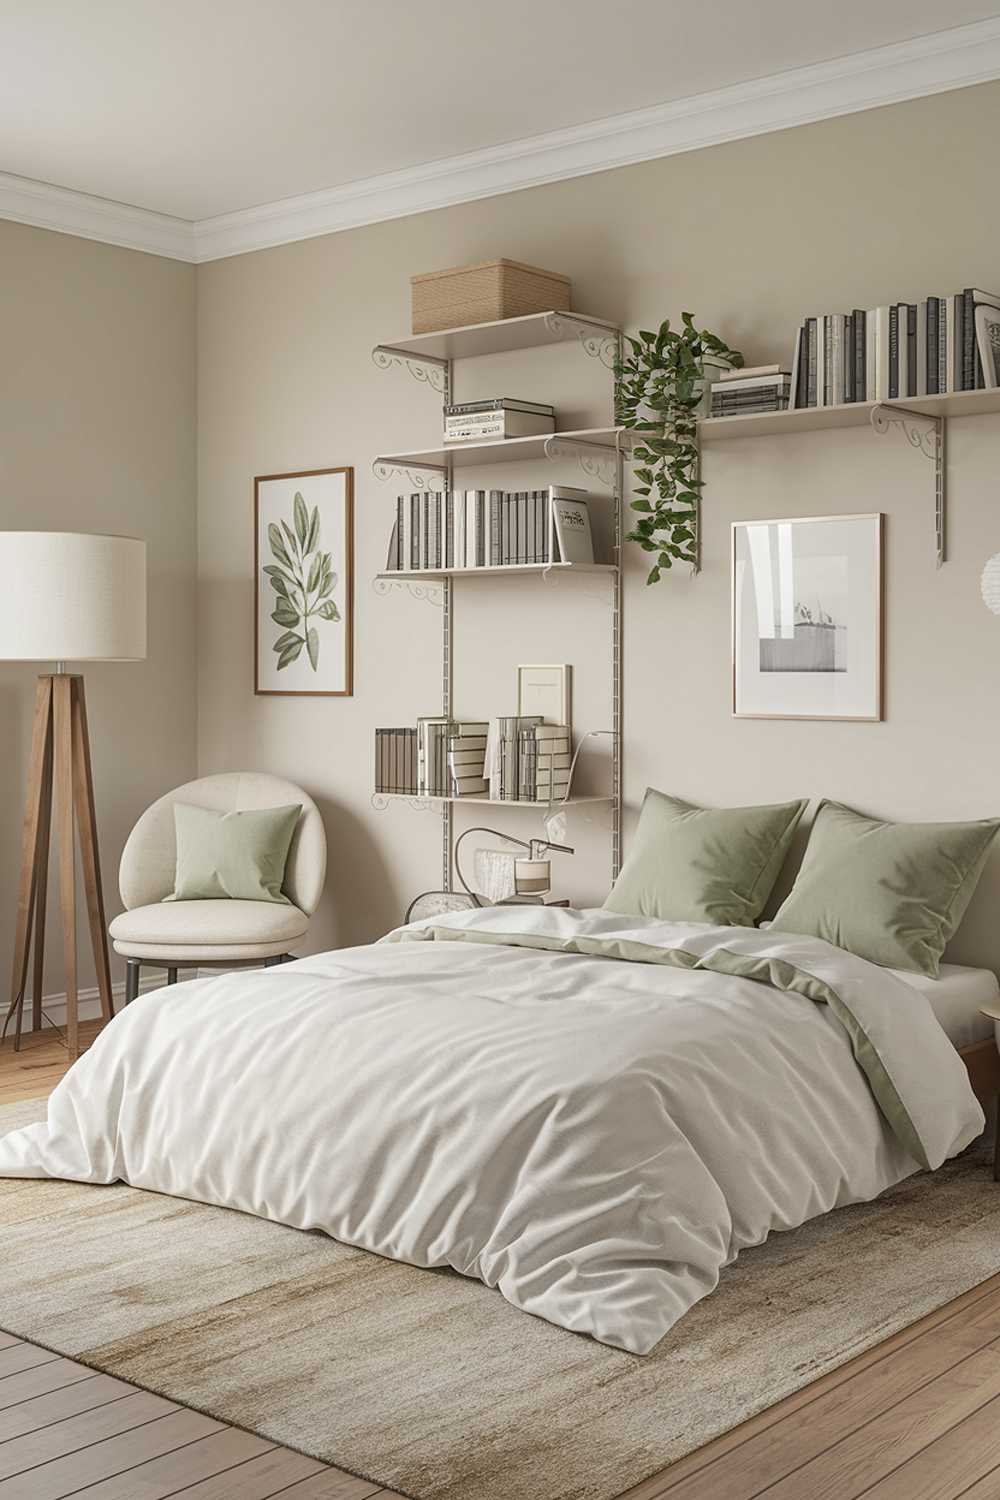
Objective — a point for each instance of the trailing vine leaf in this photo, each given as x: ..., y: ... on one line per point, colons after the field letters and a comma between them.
x: 658, y: 391
x: 312, y: 644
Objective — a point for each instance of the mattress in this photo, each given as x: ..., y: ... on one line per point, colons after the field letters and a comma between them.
x: 955, y: 998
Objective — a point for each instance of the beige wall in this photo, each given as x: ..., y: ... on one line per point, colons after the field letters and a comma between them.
x: 750, y: 236
x: 97, y: 433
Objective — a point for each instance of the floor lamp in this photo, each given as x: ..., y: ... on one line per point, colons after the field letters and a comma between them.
x: 66, y: 596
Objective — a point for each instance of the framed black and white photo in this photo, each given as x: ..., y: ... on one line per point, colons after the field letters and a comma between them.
x: 807, y: 618
x: 304, y: 583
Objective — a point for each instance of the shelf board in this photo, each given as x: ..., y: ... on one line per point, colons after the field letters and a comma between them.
x: 508, y: 450
x: 486, y: 801
x: 851, y: 414
x: 500, y: 337
x: 416, y: 574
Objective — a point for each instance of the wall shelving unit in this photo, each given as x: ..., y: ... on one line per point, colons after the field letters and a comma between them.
x: 600, y: 452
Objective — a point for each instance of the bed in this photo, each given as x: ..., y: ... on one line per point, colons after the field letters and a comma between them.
x: 593, y: 1113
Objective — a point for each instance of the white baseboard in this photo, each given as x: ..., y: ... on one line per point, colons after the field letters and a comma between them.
x: 89, y: 1000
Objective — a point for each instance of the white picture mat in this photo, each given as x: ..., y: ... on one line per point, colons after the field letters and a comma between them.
x: 275, y: 503
x: 831, y: 565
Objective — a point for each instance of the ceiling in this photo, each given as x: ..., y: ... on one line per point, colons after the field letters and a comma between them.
x: 199, y: 108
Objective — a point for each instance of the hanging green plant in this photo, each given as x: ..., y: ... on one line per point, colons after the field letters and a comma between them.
x: 659, y: 388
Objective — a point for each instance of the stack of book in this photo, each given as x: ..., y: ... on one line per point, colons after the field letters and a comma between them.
x: 467, y: 760
x: 440, y: 529
x: 759, y: 388
x: 529, y: 759
x: 928, y: 348
x: 499, y: 417
x: 435, y: 733
x: 396, y: 761
x: 543, y: 762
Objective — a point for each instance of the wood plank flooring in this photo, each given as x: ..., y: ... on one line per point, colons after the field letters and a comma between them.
x: 917, y: 1418
x: 66, y: 1430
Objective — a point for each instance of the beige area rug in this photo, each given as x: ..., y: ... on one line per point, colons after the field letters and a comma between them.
x: 430, y: 1383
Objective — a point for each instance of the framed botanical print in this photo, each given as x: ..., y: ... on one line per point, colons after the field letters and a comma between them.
x: 807, y: 618
x: 304, y: 583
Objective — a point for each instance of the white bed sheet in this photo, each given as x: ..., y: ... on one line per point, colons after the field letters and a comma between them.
x: 955, y: 997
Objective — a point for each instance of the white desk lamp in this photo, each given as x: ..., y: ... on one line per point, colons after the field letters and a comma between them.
x: 66, y: 596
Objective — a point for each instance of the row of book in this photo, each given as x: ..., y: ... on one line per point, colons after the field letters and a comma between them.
x: 438, y: 529
x: 497, y: 417
x: 514, y: 758
x: 927, y: 348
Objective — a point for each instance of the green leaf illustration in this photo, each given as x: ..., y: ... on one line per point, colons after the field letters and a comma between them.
x: 301, y: 520
x: 277, y: 545
x: 301, y: 592
x: 291, y: 653
x: 287, y: 639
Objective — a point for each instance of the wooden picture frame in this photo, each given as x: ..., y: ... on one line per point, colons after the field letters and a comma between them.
x: 829, y: 680
x: 304, y: 583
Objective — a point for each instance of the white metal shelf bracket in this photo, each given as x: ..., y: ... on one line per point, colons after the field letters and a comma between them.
x: 424, y: 367
x: 596, y: 339
x: 418, y: 479
x: 380, y: 801
x: 430, y: 593
x: 596, y: 460
x: 928, y: 436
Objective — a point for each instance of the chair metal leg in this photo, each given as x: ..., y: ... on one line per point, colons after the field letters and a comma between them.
x: 132, y: 967
x: 171, y: 976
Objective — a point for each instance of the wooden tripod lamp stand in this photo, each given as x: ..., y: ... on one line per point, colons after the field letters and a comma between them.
x: 66, y: 596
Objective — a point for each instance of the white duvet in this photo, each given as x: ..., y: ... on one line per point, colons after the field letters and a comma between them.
x: 593, y: 1113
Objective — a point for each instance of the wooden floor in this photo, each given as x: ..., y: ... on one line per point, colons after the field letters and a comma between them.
x: 917, y: 1418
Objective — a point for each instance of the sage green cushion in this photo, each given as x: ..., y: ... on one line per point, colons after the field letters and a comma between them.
x: 893, y: 893
x: 238, y: 856
x: 701, y: 864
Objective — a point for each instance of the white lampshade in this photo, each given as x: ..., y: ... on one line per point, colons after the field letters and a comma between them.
x: 72, y: 596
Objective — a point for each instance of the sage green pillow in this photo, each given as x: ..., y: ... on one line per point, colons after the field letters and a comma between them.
x: 893, y: 893
x: 701, y: 864
x: 238, y: 856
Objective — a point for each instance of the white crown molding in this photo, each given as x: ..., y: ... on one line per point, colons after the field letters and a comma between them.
x: 47, y: 207
x: 951, y: 59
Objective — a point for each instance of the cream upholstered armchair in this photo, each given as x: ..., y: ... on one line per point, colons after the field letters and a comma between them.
x: 190, y: 934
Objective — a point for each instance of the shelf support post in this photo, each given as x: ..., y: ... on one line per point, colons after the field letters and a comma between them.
x: 447, y: 665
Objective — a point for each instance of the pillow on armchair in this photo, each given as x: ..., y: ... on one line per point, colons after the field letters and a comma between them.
x: 236, y: 856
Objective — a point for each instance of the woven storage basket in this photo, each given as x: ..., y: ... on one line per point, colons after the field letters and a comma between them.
x: 485, y: 293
